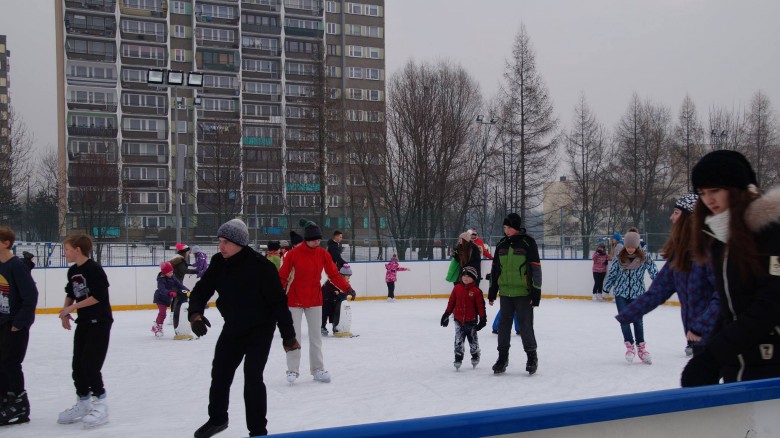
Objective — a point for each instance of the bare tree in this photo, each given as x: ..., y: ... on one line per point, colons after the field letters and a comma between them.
x: 588, y: 154
x: 761, y: 143
x: 220, y: 172
x: 688, y: 134
x: 727, y: 129
x: 645, y: 176
x: 93, y: 197
x: 429, y: 115
x: 15, y: 167
x: 529, y: 126
x: 42, y: 206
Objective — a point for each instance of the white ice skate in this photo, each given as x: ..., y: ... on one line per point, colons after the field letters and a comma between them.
x: 345, y: 322
x: 292, y: 376
x: 75, y: 413
x: 98, y: 415
x: 322, y: 376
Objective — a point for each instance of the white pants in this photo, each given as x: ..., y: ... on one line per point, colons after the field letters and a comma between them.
x: 314, y: 321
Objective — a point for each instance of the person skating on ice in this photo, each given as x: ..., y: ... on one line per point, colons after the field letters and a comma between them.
x: 168, y: 287
x: 467, y: 306
x: 331, y: 301
x: 252, y: 303
x: 391, y: 276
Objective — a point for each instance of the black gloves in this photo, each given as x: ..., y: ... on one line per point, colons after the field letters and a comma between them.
x: 291, y: 344
x: 352, y: 293
x: 702, y: 369
x: 445, y: 319
x: 481, y: 322
x: 200, y: 325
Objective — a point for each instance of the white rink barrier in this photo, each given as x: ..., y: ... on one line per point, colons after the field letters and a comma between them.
x: 744, y: 410
x: 133, y: 286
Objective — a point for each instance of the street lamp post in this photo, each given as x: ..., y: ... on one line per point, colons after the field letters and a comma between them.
x: 175, y: 79
x: 490, y: 122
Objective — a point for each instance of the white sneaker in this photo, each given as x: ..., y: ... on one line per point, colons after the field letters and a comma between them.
x: 291, y: 377
x: 75, y: 413
x: 98, y: 415
x: 322, y: 376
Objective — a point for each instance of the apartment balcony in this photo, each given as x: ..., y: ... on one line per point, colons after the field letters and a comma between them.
x: 109, y: 107
x: 220, y: 91
x: 84, y: 55
x: 145, y: 110
x: 160, y: 10
x: 145, y: 183
x: 87, y: 158
x: 258, y: 51
x: 107, y: 31
x: 307, y: 78
x: 210, y: 66
x: 297, y: 8
x: 259, y: 141
x: 274, y: 6
x: 154, y: 37
x: 93, y: 82
x: 261, y: 97
x: 253, y: 75
x: 305, y: 56
x: 144, y: 135
x: 144, y: 159
x: 260, y: 29
x: 145, y: 62
x: 92, y: 5
x: 217, y: 44
x: 224, y: 115
x: 301, y: 32
x: 86, y: 131
x: 148, y: 208
x: 216, y: 19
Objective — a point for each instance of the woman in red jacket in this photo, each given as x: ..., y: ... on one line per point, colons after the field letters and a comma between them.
x: 468, y: 306
x: 301, y: 274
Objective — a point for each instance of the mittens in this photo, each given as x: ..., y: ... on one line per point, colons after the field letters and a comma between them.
x: 481, y: 323
x: 445, y: 319
x: 200, y: 325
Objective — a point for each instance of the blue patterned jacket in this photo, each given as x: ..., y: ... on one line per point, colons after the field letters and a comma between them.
x: 629, y: 283
x: 696, y: 290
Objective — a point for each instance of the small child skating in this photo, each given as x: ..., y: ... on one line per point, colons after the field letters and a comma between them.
x: 392, y: 269
x: 467, y: 305
x: 201, y: 261
x: 167, y: 288
x: 331, y: 301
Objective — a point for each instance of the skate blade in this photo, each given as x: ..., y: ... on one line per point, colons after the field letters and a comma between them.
x: 16, y: 422
x: 94, y: 425
x: 344, y: 335
x: 183, y: 338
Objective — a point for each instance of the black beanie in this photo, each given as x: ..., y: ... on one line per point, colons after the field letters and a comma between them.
x: 723, y: 169
x: 273, y: 245
x: 295, y: 238
x: 470, y: 271
x: 514, y: 220
x: 311, y: 231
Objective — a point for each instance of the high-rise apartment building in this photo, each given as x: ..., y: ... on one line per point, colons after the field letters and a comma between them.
x: 290, y: 115
x: 5, y: 122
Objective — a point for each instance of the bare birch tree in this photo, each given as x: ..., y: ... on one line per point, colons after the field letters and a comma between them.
x: 761, y: 142
x: 588, y: 153
x: 689, y: 137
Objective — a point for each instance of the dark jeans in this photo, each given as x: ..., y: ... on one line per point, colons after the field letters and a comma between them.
x: 252, y: 346
x: 90, y: 346
x: 331, y: 309
x: 639, y: 330
x: 525, y: 312
x: 13, y: 347
x: 598, y: 282
x: 390, y: 289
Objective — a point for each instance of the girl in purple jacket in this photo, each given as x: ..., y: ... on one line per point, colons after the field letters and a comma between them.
x: 167, y: 285
x: 600, y: 260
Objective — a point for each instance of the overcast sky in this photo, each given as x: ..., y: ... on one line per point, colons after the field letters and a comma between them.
x: 720, y: 52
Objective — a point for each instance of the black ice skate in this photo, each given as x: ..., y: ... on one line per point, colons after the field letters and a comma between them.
x: 16, y: 410
x: 533, y: 362
x: 500, y: 366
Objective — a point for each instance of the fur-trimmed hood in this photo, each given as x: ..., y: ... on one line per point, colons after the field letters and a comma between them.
x: 764, y: 211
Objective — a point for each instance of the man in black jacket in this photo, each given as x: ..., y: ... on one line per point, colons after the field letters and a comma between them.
x: 253, y: 303
x: 334, y: 249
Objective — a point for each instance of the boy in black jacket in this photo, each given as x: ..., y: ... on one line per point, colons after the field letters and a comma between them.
x: 18, y: 298
x: 253, y: 303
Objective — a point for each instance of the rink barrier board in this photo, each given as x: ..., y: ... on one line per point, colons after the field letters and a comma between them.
x: 132, y: 287
x: 745, y: 409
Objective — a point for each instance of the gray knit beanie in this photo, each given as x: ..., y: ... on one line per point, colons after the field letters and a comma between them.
x: 234, y: 230
x: 631, y: 240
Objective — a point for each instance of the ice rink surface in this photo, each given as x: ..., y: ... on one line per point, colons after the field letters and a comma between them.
x: 400, y: 367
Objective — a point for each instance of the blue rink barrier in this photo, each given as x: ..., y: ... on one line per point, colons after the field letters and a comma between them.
x: 623, y: 415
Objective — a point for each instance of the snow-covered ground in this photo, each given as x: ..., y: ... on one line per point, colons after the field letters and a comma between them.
x: 399, y: 367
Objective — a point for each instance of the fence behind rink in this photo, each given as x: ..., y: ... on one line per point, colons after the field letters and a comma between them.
x: 113, y: 253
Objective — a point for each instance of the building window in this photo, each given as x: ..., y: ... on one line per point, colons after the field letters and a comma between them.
x: 178, y: 7
x: 332, y: 7
x: 179, y: 55
x: 333, y: 28
x: 334, y: 50
x: 355, y: 93
x: 334, y: 71
x: 355, y: 8
x: 355, y: 73
x: 375, y: 95
x: 375, y: 74
x: 179, y: 31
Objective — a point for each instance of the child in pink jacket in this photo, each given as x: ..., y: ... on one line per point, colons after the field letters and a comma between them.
x: 390, y: 277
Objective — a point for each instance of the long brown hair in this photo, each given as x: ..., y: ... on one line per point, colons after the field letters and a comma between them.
x: 464, y: 251
x: 623, y: 255
x: 741, y: 242
x: 677, y: 248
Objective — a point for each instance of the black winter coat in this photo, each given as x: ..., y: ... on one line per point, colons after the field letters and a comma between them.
x: 746, y: 339
x: 334, y: 249
x: 250, y: 293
